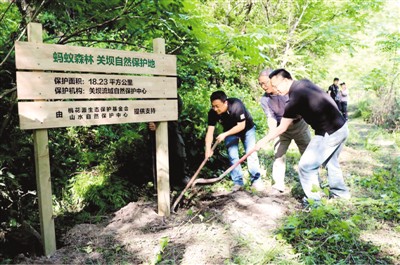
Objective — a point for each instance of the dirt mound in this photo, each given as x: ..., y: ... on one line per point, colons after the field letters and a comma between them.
x: 208, y: 233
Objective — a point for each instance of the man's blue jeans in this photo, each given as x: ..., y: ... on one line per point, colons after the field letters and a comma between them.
x: 249, y: 141
x: 324, y: 150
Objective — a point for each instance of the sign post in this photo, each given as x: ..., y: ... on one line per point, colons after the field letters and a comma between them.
x: 108, y: 93
x: 42, y: 168
x: 162, y: 159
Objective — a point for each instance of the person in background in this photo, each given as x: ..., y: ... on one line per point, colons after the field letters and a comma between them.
x: 344, y: 97
x: 333, y: 91
x: 237, y: 125
x: 274, y: 107
x: 319, y: 110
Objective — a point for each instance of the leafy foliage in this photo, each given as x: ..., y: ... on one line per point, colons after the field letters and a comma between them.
x: 329, y: 235
x: 384, y: 197
x: 384, y: 80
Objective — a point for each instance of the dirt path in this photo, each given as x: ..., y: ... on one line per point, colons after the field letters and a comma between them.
x: 217, y: 228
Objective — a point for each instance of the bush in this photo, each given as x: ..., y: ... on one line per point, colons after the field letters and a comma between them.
x: 363, y: 110
x: 329, y: 235
x: 384, y: 195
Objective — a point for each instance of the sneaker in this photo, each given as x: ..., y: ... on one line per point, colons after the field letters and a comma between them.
x: 258, y: 185
x: 345, y: 196
x: 278, y: 188
x: 274, y: 192
x: 181, y: 184
x: 237, y: 187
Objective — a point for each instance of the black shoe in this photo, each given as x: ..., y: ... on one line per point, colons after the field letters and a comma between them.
x: 180, y: 185
x: 185, y: 181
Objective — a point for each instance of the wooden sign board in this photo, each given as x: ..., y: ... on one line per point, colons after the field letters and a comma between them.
x: 54, y: 114
x: 41, y: 85
x: 40, y: 115
x: 53, y: 57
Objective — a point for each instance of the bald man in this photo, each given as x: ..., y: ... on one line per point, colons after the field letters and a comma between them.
x: 320, y: 111
x: 273, y: 105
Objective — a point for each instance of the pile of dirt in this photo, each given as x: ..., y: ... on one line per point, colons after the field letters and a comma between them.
x: 207, y: 233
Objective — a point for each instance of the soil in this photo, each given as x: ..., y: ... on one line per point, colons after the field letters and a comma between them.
x: 211, y: 228
x: 205, y: 233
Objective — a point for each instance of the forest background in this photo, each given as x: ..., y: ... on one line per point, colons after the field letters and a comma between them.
x: 220, y: 45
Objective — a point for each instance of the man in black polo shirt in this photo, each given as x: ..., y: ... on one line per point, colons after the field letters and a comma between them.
x: 319, y: 110
x: 274, y: 107
x: 333, y: 91
x: 237, y: 125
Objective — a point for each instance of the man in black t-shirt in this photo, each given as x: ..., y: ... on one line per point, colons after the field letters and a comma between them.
x: 274, y: 107
x: 237, y: 125
x: 319, y: 110
x: 333, y: 91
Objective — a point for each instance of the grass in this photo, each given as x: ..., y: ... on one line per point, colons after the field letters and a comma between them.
x: 330, y: 234
x: 252, y: 252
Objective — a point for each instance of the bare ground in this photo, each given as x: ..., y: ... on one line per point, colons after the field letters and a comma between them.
x: 220, y: 228
x: 212, y: 228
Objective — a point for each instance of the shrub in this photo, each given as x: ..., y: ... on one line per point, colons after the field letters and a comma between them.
x: 328, y: 235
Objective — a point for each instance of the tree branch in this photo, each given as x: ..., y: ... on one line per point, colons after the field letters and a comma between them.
x: 5, y: 12
x: 64, y: 39
x: 104, y: 41
x: 8, y: 92
x: 7, y: 117
x: 246, y: 16
x: 291, y: 33
x: 229, y: 12
x: 266, y: 10
x: 32, y: 18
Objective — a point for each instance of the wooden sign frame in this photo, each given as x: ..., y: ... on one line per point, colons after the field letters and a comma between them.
x: 41, y: 114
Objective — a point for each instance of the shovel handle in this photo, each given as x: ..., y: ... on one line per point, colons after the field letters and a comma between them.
x: 226, y: 172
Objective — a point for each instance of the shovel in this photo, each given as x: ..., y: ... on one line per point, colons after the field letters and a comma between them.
x: 193, y: 178
x: 226, y: 172
x: 193, y: 181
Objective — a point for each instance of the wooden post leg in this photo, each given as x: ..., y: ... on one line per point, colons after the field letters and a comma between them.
x: 42, y: 167
x: 43, y: 182
x: 163, y: 191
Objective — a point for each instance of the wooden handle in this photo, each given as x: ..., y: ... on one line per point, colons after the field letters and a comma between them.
x: 226, y: 172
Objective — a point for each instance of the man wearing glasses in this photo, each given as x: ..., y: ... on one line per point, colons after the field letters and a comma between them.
x: 274, y: 107
x: 319, y: 110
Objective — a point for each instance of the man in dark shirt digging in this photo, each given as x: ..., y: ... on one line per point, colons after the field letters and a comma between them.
x: 319, y: 110
x: 274, y: 107
x: 238, y: 125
